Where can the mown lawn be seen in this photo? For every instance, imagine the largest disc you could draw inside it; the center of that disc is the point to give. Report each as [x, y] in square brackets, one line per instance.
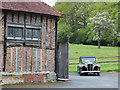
[77, 50]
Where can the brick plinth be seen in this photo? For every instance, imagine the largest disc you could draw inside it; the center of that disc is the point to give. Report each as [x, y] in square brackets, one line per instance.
[34, 78]
[29, 77]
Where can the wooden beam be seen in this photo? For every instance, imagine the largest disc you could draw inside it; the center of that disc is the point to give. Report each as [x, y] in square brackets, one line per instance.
[50, 60]
[36, 59]
[26, 60]
[5, 46]
[21, 57]
[46, 41]
[11, 58]
[31, 58]
[16, 58]
[56, 49]
[41, 60]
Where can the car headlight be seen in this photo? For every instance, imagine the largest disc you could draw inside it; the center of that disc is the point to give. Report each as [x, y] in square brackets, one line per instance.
[85, 65]
[94, 65]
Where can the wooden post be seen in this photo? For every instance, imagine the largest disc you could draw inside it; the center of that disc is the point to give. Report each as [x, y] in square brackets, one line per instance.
[26, 59]
[36, 59]
[5, 35]
[46, 39]
[11, 58]
[16, 59]
[41, 60]
[50, 60]
[56, 49]
[21, 57]
[31, 58]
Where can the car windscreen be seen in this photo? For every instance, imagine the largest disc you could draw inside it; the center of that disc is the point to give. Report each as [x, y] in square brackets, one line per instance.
[85, 60]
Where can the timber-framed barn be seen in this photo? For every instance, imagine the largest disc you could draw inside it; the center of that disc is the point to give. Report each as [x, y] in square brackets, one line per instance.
[28, 40]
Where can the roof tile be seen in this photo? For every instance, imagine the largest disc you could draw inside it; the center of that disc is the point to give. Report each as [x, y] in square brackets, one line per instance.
[36, 7]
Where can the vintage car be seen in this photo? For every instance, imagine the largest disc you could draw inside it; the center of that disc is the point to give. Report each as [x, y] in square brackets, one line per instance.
[88, 65]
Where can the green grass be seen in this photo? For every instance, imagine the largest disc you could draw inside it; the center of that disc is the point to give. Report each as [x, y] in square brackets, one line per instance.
[77, 50]
[108, 67]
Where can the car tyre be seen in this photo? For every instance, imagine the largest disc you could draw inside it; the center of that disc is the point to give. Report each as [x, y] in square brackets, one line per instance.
[81, 74]
[98, 74]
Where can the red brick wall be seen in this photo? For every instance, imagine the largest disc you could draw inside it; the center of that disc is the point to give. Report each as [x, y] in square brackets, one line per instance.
[8, 59]
[50, 30]
[33, 78]
[1, 41]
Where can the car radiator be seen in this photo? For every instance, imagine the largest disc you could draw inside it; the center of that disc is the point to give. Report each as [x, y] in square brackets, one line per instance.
[90, 67]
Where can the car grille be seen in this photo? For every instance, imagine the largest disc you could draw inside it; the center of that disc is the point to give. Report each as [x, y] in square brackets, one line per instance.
[90, 67]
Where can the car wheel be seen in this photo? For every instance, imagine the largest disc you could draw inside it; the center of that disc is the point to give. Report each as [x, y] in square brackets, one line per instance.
[81, 74]
[98, 74]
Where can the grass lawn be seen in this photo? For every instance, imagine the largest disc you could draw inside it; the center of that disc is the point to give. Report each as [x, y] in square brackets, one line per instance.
[77, 50]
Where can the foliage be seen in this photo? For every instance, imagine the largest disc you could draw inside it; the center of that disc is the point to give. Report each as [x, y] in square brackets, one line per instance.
[77, 14]
[102, 27]
[64, 32]
[81, 35]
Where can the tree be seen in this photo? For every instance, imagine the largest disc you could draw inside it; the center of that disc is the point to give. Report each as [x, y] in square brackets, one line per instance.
[77, 14]
[64, 32]
[100, 24]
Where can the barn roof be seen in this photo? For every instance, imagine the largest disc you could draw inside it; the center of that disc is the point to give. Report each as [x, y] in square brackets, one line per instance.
[35, 7]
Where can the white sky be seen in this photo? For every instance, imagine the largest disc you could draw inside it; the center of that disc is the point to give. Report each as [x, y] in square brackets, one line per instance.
[49, 2]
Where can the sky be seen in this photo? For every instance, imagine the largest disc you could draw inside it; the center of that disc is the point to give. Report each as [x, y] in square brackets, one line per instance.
[49, 2]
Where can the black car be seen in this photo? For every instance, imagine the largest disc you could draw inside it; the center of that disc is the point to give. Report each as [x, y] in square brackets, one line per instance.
[88, 65]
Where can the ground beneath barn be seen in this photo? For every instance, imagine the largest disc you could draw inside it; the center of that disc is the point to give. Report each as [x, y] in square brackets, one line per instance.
[105, 80]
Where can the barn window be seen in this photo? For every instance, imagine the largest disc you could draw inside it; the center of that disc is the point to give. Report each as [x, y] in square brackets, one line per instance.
[14, 33]
[10, 32]
[29, 33]
[18, 32]
[35, 34]
[32, 34]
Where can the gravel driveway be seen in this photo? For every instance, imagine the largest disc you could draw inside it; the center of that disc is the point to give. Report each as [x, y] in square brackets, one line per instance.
[105, 80]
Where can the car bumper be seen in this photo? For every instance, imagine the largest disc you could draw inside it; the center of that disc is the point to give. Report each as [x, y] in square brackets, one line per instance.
[90, 71]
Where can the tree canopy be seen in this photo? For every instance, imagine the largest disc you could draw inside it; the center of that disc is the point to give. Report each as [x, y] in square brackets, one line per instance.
[77, 15]
[101, 26]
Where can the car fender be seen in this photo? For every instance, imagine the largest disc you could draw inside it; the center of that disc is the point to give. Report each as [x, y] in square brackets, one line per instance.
[99, 66]
[80, 66]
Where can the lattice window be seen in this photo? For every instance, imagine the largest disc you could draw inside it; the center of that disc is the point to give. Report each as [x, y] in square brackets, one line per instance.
[15, 33]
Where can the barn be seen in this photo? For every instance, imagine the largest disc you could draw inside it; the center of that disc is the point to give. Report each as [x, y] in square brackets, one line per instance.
[28, 41]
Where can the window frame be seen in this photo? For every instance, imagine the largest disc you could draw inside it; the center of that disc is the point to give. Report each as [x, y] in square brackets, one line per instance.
[14, 32]
[23, 31]
[32, 38]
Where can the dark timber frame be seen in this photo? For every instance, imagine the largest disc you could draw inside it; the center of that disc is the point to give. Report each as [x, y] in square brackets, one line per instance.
[30, 43]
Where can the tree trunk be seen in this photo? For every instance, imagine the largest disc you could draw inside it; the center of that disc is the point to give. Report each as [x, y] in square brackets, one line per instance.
[99, 43]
